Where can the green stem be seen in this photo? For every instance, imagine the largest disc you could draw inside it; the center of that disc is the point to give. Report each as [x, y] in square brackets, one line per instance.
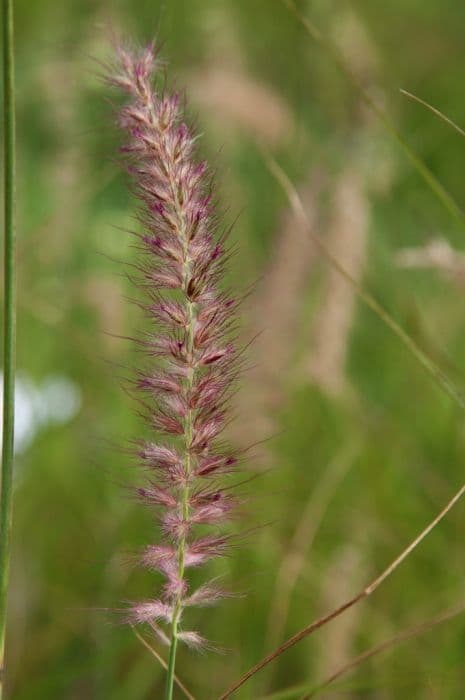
[171, 662]
[188, 429]
[185, 515]
[6, 500]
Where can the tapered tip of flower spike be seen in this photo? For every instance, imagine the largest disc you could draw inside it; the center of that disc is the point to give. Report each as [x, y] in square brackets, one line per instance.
[132, 65]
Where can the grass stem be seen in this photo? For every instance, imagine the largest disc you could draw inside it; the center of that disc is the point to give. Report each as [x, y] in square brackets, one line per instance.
[171, 663]
[9, 320]
[364, 593]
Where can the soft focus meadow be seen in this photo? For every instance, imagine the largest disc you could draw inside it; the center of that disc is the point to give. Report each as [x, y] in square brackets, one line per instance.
[355, 449]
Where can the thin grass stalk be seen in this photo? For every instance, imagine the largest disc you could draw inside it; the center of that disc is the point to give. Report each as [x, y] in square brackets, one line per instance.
[9, 319]
[410, 633]
[384, 646]
[171, 662]
[434, 110]
[433, 183]
[361, 595]
[426, 362]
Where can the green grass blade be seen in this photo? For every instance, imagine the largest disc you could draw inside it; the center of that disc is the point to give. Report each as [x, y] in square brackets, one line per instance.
[6, 496]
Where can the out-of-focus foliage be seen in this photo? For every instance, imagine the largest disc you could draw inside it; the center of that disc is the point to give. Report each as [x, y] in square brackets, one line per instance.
[363, 448]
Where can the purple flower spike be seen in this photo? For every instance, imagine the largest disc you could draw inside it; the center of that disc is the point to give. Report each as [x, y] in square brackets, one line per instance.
[192, 354]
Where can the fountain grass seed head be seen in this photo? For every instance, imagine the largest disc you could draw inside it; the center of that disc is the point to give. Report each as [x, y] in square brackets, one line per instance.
[191, 349]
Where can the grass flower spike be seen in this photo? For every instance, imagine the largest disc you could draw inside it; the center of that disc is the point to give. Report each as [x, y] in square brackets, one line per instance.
[191, 350]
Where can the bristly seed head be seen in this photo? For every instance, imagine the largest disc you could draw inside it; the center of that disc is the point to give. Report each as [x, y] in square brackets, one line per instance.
[191, 349]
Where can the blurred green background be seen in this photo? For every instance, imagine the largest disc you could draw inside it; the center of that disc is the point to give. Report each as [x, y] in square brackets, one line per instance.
[357, 448]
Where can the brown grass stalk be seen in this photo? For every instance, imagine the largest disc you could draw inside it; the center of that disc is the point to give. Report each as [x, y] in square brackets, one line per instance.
[384, 646]
[364, 593]
[348, 234]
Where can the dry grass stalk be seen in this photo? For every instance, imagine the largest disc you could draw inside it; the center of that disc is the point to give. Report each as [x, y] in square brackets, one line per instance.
[415, 631]
[275, 311]
[344, 575]
[347, 239]
[237, 100]
[224, 89]
[350, 220]
[361, 595]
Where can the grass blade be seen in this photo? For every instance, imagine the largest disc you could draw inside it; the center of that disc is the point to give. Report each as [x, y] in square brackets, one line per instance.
[9, 319]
